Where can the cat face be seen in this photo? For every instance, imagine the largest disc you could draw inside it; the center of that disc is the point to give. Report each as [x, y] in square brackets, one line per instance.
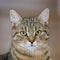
[30, 33]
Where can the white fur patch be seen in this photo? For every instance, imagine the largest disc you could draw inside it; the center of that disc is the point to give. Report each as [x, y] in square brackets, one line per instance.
[28, 46]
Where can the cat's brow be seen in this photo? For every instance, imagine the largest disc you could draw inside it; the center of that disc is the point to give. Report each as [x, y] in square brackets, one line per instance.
[31, 23]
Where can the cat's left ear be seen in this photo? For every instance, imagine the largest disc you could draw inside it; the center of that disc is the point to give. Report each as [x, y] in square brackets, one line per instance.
[15, 18]
[44, 16]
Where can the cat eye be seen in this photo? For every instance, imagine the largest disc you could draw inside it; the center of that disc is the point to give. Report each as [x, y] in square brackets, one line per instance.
[23, 33]
[38, 32]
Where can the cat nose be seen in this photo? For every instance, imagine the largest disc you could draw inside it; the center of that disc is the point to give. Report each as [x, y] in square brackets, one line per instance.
[31, 39]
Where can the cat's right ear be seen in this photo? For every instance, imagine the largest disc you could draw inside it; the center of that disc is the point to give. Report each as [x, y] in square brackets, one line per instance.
[15, 18]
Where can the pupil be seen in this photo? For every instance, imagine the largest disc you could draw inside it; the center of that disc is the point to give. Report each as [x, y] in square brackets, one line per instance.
[38, 31]
[23, 32]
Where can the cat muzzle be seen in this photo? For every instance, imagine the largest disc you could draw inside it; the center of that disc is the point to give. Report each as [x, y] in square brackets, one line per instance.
[31, 39]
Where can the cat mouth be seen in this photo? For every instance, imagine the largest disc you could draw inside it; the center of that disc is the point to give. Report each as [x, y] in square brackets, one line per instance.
[31, 47]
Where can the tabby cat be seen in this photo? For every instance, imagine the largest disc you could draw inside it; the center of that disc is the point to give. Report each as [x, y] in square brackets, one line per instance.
[30, 36]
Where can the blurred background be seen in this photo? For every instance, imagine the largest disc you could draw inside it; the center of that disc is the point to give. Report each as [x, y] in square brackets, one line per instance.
[30, 8]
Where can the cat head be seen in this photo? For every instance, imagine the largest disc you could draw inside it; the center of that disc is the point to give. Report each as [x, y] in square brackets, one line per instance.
[30, 31]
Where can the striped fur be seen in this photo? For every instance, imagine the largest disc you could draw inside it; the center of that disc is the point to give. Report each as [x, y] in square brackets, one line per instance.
[30, 38]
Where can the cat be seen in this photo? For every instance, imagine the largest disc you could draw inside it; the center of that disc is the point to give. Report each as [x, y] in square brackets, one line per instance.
[30, 36]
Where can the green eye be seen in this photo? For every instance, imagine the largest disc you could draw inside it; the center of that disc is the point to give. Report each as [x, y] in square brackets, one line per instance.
[23, 33]
[38, 32]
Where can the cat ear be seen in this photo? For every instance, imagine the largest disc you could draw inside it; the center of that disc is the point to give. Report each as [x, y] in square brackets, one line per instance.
[44, 16]
[15, 18]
